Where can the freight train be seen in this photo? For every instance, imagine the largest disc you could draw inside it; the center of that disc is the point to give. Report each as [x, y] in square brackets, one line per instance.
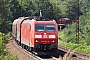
[35, 35]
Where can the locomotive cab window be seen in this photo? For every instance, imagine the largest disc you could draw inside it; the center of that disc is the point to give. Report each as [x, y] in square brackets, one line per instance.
[50, 27]
[39, 27]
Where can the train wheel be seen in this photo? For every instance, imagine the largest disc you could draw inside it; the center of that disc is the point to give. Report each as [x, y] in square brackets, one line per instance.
[30, 49]
[26, 47]
[23, 46]
[18, 42]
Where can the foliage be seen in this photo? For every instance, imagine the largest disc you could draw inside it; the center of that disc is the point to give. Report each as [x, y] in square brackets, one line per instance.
[79, 47]
[7, 17]
[68, 34]
[5, 54]
[54, 9]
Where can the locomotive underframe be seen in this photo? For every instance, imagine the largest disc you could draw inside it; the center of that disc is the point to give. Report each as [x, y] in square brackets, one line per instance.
[45, 47]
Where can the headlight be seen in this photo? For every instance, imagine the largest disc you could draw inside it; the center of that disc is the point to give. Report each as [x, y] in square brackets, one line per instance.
[37, 41]
[52, 41]
[51, 36]
[38, 36]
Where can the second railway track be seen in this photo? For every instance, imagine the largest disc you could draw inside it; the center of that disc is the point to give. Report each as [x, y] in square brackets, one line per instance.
[79, 55]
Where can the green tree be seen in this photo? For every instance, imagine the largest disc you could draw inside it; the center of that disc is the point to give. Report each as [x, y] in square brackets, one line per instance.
[5, 15]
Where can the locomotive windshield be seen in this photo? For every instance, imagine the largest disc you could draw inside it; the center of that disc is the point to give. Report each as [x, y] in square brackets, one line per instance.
[48, 27]
[39, 27]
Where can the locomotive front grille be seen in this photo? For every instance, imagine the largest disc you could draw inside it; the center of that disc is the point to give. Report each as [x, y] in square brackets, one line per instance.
[45, 47]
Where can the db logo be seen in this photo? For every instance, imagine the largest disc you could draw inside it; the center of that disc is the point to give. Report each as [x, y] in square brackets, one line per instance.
[44, 36]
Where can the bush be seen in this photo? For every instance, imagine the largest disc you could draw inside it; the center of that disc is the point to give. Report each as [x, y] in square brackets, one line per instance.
[5, 54]
[84, 49]
[78, 47]
[72, 45]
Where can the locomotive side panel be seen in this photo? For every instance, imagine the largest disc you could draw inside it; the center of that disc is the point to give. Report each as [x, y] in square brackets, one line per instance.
[56, 26]
[21, 19]
[32, 31]
[25, 34]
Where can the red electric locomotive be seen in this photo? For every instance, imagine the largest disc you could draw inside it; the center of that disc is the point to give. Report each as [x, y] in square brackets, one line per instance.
[37, 35]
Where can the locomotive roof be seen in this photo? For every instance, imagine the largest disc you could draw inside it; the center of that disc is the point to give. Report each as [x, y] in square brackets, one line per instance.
[21, 19]
[45, 22]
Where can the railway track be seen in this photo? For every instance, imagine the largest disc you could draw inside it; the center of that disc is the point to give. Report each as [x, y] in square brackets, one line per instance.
[28, 55]
[78, 55]
[39, 57]
[15, 50]
[25, 55]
